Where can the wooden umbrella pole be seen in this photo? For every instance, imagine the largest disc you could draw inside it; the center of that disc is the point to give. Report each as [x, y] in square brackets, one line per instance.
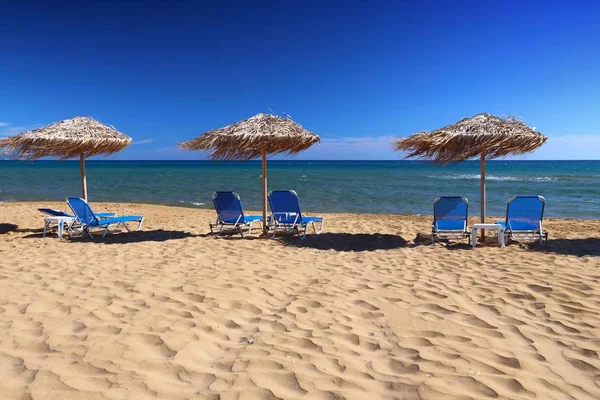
[264, 189]
[482, 183]
[83, 180]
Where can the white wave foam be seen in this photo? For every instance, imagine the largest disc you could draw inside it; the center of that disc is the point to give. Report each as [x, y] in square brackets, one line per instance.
[494, 177]
[192, 203]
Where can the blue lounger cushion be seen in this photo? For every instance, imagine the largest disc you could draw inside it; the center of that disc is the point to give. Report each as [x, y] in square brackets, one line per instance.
[290, 219]
[450, 225]
[247, 218]
[311, 219]
[116, 220]
[520, 225]
[58, 213]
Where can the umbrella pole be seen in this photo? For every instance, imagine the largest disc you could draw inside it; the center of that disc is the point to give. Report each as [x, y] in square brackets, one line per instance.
[83, 180]
[482, 183]
[264, 189]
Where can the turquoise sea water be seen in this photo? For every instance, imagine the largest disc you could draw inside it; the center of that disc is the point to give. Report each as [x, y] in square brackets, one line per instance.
[571, 188]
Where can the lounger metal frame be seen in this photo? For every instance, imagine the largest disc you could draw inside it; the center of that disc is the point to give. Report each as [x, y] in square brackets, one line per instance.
[79, 229]
[298, 225]
[450, 234]
[237, 226]
[532, 234]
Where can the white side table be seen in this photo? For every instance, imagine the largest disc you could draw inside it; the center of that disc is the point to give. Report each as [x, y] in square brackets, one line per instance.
[60, 221]
[499, 229]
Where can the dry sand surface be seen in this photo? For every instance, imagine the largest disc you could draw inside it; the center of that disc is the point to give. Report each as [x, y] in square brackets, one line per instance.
[359, 312]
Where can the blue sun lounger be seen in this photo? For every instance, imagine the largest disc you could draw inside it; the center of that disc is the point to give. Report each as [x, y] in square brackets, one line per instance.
[524, 216]
[230, 213]
[286, 215]
[87, 220]
[58, 213]
[450, 218]
[51, 215]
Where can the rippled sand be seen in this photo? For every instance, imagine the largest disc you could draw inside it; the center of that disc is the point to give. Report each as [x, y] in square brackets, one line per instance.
[360, 312]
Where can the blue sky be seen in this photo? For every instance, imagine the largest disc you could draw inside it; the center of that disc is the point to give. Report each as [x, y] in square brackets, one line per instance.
[357, 73]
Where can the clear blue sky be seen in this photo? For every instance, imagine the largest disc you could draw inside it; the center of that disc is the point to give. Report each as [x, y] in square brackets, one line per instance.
[357, 73]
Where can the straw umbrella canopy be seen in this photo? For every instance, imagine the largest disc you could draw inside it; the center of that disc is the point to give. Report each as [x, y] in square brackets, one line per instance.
[255, 137]
[483, 135]
[78, 137]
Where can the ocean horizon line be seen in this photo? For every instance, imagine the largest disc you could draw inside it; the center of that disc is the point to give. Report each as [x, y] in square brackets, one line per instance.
[292, 160]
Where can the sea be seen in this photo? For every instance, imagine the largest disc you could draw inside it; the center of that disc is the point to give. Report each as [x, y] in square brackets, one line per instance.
[571, 188]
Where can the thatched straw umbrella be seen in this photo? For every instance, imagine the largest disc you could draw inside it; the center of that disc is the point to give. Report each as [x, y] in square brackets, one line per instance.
[78, 137]
[255, 137]
[483, 135]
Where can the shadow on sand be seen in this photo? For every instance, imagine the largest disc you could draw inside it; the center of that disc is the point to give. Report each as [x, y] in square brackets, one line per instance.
[574, 247]
[346, 241]
[425, 239]
[5, 228]
[158, 235]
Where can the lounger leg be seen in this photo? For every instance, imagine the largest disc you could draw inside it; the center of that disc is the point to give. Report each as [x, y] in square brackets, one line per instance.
[139, 228]
[474, 238]
[211, 226]
[321, 226]
[261, 225]
[304, 233]
[46, 224]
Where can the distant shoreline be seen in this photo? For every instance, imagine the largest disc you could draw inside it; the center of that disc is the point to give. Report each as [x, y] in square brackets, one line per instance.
[209, 208]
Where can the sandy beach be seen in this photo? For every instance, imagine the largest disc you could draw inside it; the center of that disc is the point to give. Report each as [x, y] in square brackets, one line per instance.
[359, 312]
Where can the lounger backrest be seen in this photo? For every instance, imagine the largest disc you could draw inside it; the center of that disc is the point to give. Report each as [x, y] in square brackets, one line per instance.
[82, 210]
[524, 213]
[285, 201]
[228, 207]
[54, 213]
[450, 213]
